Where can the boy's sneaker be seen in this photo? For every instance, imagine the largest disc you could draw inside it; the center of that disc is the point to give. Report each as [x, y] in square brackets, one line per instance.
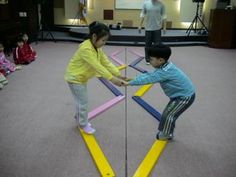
[88, 129]
[162, 136]
[147, 63]
[171, 136]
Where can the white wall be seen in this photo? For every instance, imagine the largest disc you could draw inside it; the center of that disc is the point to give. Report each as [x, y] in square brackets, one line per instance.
[71, 8]
[187, 10]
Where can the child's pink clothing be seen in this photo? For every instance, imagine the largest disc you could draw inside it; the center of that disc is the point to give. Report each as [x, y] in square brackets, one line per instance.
[6, 64]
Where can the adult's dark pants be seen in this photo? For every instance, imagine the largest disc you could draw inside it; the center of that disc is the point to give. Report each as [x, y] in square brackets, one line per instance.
[151, 37]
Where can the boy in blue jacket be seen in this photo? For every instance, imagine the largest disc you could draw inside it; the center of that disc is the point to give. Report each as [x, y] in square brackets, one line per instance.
[175, 84]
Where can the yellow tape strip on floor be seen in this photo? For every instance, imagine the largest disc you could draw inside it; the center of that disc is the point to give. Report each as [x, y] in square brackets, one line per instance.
[143, 89]
[150, 159]
[98, 156]
[122, 67]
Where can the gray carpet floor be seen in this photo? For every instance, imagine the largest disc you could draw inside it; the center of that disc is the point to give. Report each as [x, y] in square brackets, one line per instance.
[38, 135]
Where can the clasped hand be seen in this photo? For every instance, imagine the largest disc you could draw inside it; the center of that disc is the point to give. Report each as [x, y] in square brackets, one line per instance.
[120, 81]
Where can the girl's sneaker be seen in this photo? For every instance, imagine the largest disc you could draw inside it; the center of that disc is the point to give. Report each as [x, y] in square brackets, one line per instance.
[88, 129]
[1, 86]
[89, 124]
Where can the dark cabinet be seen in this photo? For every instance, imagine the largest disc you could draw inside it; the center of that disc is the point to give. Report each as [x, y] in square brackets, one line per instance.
[222, 28]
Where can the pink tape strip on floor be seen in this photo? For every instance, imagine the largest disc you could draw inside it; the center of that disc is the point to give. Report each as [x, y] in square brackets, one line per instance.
[136, 53]
[117, 60]
[105, 106]
[116, 52]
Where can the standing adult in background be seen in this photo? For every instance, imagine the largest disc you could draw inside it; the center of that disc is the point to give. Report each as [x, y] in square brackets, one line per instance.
[153, 13]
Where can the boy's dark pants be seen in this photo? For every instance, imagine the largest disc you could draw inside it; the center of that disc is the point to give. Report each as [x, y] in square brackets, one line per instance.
[151, 37]
[173, 110]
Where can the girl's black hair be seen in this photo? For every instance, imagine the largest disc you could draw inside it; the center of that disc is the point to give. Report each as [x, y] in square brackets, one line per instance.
[159, 51]
[99, 29]
[19, 39]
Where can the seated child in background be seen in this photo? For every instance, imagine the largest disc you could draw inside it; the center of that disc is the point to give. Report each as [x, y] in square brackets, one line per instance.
[5, 64]
[3, 81]
[20, 55]
[28, 49]
[175, 84]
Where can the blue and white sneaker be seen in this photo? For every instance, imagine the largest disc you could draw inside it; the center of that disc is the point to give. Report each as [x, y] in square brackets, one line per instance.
[161, 136]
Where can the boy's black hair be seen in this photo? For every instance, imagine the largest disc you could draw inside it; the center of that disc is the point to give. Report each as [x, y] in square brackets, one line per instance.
[99, 29]
[160, 51]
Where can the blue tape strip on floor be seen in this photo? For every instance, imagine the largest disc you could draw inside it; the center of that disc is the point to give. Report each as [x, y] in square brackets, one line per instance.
[138, 69]
[147, 107]
[114, 90]
[135, 62]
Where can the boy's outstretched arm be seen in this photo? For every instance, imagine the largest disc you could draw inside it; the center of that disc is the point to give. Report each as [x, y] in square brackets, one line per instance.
[146, 78]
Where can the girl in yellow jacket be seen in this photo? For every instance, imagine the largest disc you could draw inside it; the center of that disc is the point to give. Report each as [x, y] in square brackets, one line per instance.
[89, 61]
